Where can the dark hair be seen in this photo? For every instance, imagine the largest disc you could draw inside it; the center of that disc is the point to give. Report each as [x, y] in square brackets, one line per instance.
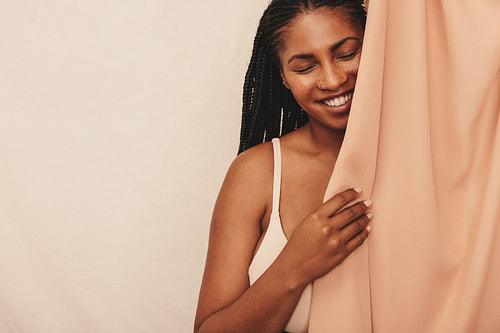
[269, 109]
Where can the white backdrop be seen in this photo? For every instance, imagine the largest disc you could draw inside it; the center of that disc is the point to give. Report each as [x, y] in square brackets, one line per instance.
[118, 120]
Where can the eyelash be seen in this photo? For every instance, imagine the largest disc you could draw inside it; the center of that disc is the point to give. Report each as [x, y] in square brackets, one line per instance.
[347, 56]
[304, 70]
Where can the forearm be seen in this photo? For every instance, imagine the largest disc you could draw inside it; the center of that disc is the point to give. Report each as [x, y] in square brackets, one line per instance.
[264, 307]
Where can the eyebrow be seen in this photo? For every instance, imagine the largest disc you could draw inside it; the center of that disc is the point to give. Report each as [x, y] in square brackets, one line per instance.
[333, 48]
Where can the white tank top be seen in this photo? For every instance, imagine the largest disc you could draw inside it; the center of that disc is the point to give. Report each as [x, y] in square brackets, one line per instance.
[274, 241]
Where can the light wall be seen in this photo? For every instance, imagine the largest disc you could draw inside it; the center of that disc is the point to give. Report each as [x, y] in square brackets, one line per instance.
[118, 120]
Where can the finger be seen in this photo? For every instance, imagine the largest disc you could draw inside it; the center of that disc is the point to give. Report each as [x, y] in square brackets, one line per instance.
[346, 216]
[357, 240]
[355, 227]
[338, 201]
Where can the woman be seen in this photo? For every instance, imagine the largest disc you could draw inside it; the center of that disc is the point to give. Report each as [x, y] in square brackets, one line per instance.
[271, 236]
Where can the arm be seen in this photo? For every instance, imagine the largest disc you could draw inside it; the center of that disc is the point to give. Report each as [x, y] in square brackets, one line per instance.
[227, 303]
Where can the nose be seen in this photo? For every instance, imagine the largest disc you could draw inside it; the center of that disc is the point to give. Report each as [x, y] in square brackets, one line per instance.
[331, 78]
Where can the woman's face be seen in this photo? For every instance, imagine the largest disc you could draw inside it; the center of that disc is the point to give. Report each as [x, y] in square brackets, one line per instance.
[319, 64]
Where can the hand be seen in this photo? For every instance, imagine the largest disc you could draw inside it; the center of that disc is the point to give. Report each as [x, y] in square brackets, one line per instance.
[326, 237]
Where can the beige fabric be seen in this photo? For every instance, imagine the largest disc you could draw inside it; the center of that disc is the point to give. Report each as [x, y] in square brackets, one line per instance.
[424, 143]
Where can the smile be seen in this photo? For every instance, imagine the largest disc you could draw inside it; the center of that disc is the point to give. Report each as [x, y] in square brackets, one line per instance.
[338, 101]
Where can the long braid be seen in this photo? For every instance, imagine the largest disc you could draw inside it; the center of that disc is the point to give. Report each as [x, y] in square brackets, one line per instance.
[269, 109]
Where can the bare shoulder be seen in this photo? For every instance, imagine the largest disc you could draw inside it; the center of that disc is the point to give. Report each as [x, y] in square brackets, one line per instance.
[249, 178]
[254, 164]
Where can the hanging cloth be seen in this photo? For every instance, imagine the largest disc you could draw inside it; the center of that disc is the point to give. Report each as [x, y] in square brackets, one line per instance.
[423, 140]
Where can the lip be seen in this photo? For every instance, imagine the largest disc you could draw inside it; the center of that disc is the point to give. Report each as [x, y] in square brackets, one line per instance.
[341, 110]
[336, 95]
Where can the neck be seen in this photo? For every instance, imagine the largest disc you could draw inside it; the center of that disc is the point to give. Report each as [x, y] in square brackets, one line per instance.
[322, 140]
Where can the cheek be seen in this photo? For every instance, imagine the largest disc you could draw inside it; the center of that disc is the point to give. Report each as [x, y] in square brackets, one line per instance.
[302, 85]
[352, 67]
[301, 91]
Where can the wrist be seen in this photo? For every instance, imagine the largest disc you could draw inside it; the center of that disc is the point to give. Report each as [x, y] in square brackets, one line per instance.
[288, 277]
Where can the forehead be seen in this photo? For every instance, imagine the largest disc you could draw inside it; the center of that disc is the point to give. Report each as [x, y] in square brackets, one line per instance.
[318, 28]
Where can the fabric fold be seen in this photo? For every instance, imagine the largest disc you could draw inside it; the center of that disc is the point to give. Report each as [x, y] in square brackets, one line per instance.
[423, 141]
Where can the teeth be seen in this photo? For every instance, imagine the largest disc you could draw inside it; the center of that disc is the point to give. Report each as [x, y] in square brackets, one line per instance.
[338, 101]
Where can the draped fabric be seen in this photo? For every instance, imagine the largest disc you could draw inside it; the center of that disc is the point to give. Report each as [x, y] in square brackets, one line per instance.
[423, 141]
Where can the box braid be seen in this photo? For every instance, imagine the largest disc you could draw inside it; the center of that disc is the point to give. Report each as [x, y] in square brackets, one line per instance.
[269, 109]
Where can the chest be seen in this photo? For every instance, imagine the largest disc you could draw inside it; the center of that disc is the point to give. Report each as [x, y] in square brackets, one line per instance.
[303, 186]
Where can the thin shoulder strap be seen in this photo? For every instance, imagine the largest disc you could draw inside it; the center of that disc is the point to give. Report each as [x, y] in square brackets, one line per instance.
[277, 175]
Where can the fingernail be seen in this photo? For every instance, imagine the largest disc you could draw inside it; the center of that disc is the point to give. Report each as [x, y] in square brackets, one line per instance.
[358, 189]
[369, 215]
[368, 228]
[367, 203]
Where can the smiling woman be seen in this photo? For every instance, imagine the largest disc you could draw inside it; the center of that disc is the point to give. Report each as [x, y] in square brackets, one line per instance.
[271, 236]
[320, 60]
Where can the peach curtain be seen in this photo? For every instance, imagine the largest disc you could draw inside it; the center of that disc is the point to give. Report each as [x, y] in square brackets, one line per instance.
[424, 142]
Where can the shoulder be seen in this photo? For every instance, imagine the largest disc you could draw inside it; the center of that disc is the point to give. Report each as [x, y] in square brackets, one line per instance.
[249, 180]
[255, 163]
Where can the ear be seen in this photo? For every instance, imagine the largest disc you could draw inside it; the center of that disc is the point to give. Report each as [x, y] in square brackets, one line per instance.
[284, 79]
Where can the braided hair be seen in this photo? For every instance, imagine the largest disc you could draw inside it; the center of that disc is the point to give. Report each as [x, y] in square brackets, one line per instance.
[269, 109]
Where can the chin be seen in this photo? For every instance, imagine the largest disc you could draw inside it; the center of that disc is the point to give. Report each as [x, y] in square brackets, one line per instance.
[339, 128]
[339, 125]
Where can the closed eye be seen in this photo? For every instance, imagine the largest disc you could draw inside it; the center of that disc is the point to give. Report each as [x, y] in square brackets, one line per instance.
[304, 70]
[348, 56]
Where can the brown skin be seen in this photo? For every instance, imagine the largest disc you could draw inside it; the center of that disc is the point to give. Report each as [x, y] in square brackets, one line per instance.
[320, 235]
